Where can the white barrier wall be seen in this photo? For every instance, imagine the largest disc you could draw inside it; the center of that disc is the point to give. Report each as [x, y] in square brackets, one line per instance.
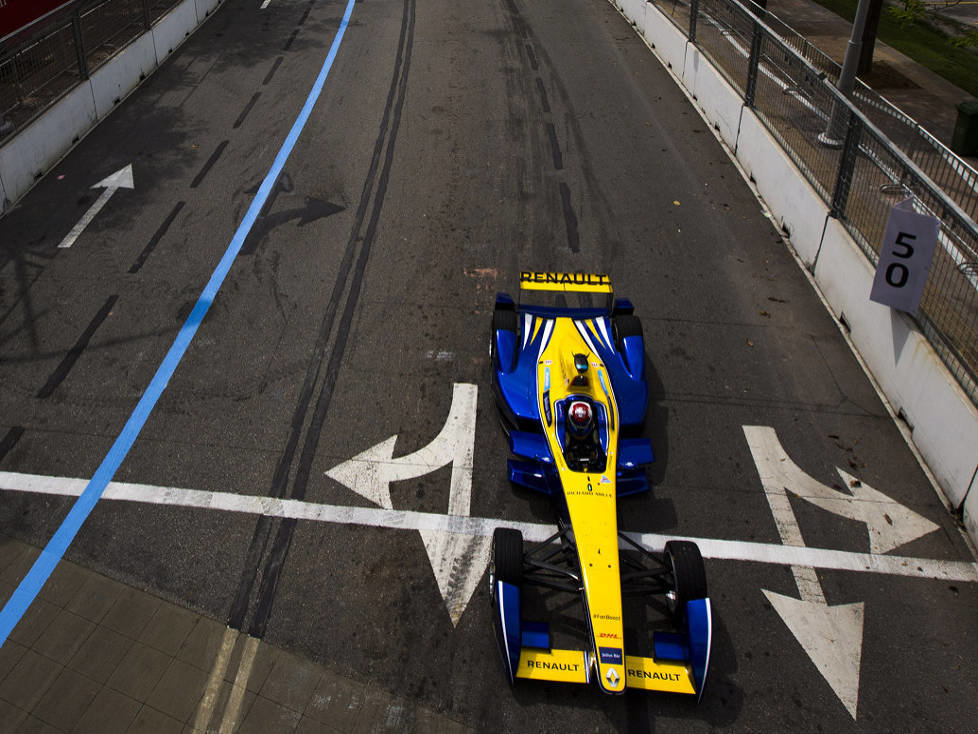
[910, 373]
[943, 420]
[26, 156]
[797, 207]
[112, 82]
[664, 38]
[205, 8]
[173, 28]
[719, 103]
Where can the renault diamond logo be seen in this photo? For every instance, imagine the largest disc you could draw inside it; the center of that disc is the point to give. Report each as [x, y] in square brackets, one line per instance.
[612, 677]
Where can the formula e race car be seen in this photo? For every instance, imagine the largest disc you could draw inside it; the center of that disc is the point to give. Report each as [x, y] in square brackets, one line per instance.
[569, 382]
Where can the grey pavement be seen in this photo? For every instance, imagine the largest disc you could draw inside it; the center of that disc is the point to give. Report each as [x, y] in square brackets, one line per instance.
[95, 656]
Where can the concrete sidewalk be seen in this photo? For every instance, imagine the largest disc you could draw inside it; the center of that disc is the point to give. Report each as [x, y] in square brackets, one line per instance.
[926, 97]
[94, 655]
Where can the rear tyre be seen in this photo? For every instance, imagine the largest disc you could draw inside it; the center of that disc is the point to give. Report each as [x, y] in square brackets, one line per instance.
[502, 320]
[506, 559]
[626, 325]
[688, 577]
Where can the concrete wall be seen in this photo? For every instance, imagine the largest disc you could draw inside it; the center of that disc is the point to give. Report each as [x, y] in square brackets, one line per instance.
[943, 420]
[27, 155]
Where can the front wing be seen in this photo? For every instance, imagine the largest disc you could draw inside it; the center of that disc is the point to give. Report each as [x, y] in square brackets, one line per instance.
[680, 665]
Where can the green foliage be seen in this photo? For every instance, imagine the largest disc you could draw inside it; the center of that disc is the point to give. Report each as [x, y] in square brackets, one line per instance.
[968, 40]
[911, 12]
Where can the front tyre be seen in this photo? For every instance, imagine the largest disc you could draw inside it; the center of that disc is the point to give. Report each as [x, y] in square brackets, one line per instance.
[506, 557]
[688, 577]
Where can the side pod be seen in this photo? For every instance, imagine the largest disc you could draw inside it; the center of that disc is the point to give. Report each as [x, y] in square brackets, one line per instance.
[634, 348]
[505, 349]
[530, 475]
[699, 631]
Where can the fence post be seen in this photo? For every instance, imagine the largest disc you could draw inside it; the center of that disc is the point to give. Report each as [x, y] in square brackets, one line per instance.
[694, 9]
[79, 44]
[752, 65]
[847, 164]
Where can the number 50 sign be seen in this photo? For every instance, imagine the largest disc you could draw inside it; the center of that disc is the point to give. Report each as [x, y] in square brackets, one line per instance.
[905, 256]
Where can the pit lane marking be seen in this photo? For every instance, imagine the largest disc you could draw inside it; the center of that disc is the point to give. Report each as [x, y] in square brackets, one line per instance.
[712, 548]
[29, 587]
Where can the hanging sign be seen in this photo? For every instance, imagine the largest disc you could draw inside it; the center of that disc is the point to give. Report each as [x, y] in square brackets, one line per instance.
[905, 256]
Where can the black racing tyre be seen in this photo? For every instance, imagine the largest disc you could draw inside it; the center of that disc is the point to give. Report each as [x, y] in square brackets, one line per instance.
[688, 576]
[627, 325]
[502, 320]
[506, 561]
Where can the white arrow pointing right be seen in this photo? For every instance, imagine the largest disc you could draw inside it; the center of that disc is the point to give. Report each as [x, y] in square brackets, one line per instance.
[888, 523]
[832, 636]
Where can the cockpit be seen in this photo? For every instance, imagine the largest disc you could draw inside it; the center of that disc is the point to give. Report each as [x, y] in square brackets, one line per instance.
[582, 423]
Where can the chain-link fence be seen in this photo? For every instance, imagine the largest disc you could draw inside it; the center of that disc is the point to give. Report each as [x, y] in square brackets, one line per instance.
[877, 157]
[41, 64]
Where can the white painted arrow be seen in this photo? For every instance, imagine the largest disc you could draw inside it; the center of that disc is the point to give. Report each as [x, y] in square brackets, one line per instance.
[121, 179]
[457, 559]
[832, 636]
[888, 523]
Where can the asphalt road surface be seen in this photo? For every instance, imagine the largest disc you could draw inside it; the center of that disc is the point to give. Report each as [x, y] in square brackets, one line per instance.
[454, 145]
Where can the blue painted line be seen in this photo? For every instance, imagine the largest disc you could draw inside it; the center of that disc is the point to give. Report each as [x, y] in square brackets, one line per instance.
[54, 551]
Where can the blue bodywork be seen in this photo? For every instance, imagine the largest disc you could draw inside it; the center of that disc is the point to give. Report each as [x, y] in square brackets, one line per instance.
[514, 383]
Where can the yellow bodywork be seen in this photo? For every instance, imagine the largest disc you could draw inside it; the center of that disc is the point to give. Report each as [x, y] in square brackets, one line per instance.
[565, 282]
[650, 675]
[562, 666]
[590, 496]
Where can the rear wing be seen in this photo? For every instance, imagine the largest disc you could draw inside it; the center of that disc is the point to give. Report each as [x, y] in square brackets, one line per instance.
[552, 293]
[565, 282]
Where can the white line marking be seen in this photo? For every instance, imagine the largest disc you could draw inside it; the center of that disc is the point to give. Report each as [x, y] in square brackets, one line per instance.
[265, 4]
[439, 356]
[723, 550]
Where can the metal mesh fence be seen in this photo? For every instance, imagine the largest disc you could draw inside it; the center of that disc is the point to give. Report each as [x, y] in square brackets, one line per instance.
[958, 179]
[109, 26]
[37, 70]
[861, 155]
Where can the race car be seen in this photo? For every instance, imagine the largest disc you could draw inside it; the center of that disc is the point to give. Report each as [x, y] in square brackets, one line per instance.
[569, 382]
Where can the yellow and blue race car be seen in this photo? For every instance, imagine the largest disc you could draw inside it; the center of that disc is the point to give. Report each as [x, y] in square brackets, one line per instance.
[569, 381]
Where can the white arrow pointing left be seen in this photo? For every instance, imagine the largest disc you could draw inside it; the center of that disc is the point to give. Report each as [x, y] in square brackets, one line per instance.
[457, 559]
[121, 179]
